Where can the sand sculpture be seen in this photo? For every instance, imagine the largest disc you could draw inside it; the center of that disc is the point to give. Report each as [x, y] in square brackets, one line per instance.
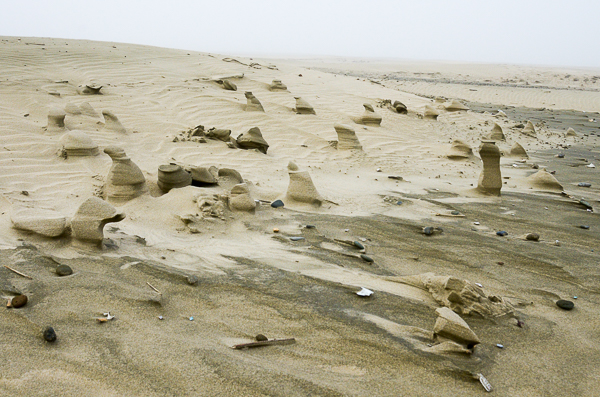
[303, 107]
[56, 120]
[230, 173]
[369, 117]
[89, 220]
[211, 205]
[89, 89]
[228, 85]
[450, 326]
[252, 103]
[253, 139]
[46, 222]
[518, 151]
[459, 150]
[347, 139]
[497, 134]
[529, 128]
[73, 109]
[78, 143]
[490, 179]
[240, 199]
[543, 180]
[203, 176]
[111, 122]
[277, 85]
[88, 110]
[455, 106]
[172, 176]
[301, 187]
[430, 113]
[400, 107]
[501, 114]
[571, 132]
[125, 180]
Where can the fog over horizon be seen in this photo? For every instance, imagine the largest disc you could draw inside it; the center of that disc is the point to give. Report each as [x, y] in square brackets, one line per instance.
[542, 33]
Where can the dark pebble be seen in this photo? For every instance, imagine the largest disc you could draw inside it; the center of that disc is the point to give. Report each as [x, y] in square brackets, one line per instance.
[192, 280]
[358, 245]
[502, 233]
[310, 226]
[428, 231]
[501, 263]
[399, 202]
[584, 227]
[261, 338]
[455, 213]
[296, 238]
[561, 156]
[533, 237]
[19, 301]
[586, 204]
[584, 184]
[49, 334]
[367, 258]
[64, 270]
[277, 204]
[565, 305]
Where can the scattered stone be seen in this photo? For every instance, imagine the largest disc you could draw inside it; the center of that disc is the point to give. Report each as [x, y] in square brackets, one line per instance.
[586, 204]
[490, 179]
[584, 184]
[301, 187]
[219, 134]
[49, 334]
[459, 150]
[112, 123]
[253, 139]
[502, 233]
[41, 221]
[499, 346]
[369, 117]
[560, 156]
[261, 338]
[172, 176]
[228, 85]
[78, 143]
[428, 231]
[192, 280]
[56, 120]
[91, 216]
[64, 270]
[125, 180]
[310, 226]
[252, 103]
[303, 107]
[275, 230]
[563, 304]
[347, 139]
[359, 245]
[277, 204]
[533, 237]
[19, 301]
[366, 258]
[450, 325]
[241, 200]
[277, 85]
[296, 238]
[455, 213]
[584, 227]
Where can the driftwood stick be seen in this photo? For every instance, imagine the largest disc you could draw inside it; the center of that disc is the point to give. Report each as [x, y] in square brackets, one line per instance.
[452, 216]
[18, 272]
[154, 288]
[265, 343]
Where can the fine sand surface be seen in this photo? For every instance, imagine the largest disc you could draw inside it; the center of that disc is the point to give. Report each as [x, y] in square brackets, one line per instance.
[252, 280]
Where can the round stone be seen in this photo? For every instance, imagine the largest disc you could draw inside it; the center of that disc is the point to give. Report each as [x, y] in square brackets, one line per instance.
[533, 237]
[277, 204]
[455, 213]
[502, 233]
[64, 270]
[49, 334]
[19, 301]
[366, 258]
[428, 231]
[358, 245]
[310, 226]
[192, 280]
[261, 338]
[565, 305]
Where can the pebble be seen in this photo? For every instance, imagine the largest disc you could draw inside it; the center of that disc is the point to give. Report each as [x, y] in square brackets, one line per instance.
[277, 204]
[49, 334]
[584, 227]
[584, 184]
[499, 346]
[367, 258]
[261, 338]
[502, 233]
[586, 204]
[476, 223]
[358, 245]
[455, 213]
[533, 237]
[310, 226]
[396, 177]
[191, 318]
[64, 270]
[557, 243]
[160, 317]
[399, 202]
[275, 230]
[560, 156]
[296, 238]
[19, 301]
[564, 304]
[428, 231]
[192, 280]
[501, 263]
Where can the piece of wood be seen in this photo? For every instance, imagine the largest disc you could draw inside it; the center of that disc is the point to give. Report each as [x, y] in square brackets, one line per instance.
[154, 288]
[265, 343]
[452, 216]
[18, 272]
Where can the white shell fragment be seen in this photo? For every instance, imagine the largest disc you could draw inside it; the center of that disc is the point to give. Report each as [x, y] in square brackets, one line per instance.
[484, 382]
[591, 165]
[364, 292]
[108, 316]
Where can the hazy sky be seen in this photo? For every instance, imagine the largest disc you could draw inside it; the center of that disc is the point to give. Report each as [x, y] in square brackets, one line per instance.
[540, 32]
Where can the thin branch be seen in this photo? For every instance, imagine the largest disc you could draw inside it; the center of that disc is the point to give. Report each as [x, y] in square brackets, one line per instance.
[154, 288]
[265, 343]
[18, 272]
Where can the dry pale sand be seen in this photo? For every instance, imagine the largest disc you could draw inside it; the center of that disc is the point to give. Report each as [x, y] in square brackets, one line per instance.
[252, 280]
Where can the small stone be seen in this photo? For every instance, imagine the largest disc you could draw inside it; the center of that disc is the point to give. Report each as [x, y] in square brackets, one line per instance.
[502, 233]
[586, 204]
[564, 304]
[584, 184]
[428, 231]
[501, 263]
[455, 213]
[476, 223]
[533, 237]
[584, 227]
[19, 301]
[277, 204]
[191, 318]
[499, 346]
[275, 230]
[557, 243]
[160, 317]
[396, 177]
[261, 338]
[296, 238]
[358, 245]
[49, 334]
[399, 202]
[367, 258]
[192, 280]
[64, 270]
[310, 226]
[560, 156]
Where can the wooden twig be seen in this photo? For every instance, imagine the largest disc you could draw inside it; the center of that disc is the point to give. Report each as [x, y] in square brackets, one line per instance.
[265, 343]
[154, 288]
[18, 272]
[452, 216]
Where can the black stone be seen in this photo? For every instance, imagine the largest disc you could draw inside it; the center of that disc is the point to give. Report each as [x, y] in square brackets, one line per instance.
[564, 304]
[19, 301]
[49, 334]
[367, 258]
[310, 226]
[261, 338]
[502, 233]
[64, 270]
[584, 227]
[277, 204]
[455, 213]
[561, 156]
[358, 245]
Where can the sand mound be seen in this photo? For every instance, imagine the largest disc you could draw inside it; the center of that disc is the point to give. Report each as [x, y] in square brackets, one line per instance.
[430, 113]
[517, 150]
[78, 143]
[301, 187]
[125, 180]
[303, 107]
[571, 132]
[496, 134]
[369, 117]
[347, 139]
[529, 129]
[459, 150]
[543, 180]
[455, 106]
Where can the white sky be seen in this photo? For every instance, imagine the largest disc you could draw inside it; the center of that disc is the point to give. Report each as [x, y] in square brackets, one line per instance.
[538, 32]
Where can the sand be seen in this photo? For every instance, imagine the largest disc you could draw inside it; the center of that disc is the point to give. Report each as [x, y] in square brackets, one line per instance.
[225, 276]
